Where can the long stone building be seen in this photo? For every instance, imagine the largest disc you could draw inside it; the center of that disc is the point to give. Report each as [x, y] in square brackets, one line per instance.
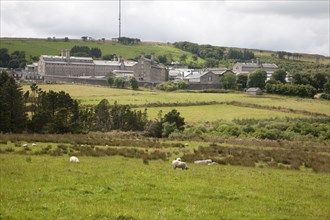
[245, 68]
[66, 66]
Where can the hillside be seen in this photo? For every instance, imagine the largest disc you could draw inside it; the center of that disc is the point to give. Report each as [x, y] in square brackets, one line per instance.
[37, 47]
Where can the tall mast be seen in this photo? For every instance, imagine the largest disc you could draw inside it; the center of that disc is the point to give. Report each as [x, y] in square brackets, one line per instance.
[119, 18]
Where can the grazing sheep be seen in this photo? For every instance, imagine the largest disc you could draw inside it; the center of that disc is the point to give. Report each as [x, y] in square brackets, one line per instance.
[181, 165]
[74, 159]
[174, 162]
[25, 145]
[213, 163]
[208, 161]
[33, 144]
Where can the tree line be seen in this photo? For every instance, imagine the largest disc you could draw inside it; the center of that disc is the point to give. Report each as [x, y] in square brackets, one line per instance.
[212, 54]
[303, 85]
[38, 111]
[14, 60]
[84, 51]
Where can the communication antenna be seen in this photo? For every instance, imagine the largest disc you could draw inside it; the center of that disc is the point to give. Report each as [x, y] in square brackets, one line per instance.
[119, 19]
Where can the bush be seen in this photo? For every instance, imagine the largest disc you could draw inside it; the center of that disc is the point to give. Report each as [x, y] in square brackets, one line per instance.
[291, 90]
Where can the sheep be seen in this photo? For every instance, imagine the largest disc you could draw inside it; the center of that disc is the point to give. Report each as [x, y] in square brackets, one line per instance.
[213, 163]
[177, 163]
[208, 161]
[74, 159]
[25, 145]
[181, 165]
[33, 144]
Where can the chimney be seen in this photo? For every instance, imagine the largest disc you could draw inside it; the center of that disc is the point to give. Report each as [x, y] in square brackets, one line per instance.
[67, 55]
[252, 60]
[258, 61]
[62, 53]
[152, 57]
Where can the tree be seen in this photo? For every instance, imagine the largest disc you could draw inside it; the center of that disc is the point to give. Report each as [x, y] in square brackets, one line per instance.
[174, 117]
[229, 81]
[17, 60]
[162, 59]
[257, 79]
[241, 80]
[110, 81]
[4, 57]
[57, 112]
[95, 52]
[134, 83]
[183, 85]
[318, 81]
[66, 39]
[12, 107]
[80, 51]
[108, 57]
[119, 82]
[84, 38]
[103, 119]
[279, 75]
[326, 87]
[183, 57]
[211, 62]
[301, 79]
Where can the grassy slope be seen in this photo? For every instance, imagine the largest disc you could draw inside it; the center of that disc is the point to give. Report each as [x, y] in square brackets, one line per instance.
[109, 187]
[37, 47]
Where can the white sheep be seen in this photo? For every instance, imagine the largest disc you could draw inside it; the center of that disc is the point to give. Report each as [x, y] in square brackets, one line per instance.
[213, 163]
[181, 165]
[177, 163]
[33, 144]
[208, 161]
[25, 145]
[74, 159]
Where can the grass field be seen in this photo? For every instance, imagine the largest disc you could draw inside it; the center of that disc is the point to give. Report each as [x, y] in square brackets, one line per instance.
[35, 185]
[37, 47]
[208, 113]
[93, 95]
[45, 187]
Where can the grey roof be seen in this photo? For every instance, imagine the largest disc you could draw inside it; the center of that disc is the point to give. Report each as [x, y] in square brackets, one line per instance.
[256, 65]
[196, 75]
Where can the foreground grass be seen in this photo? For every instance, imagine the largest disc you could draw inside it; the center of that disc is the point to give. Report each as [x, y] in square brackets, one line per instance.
[45, 187]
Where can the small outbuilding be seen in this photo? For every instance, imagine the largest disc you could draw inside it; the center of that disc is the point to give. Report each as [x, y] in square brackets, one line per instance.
[254, 91]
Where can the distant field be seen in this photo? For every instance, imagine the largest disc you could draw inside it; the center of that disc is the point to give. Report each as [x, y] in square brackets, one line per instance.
[208, 113]
[93, 95]
[37, 47]
[46, 187]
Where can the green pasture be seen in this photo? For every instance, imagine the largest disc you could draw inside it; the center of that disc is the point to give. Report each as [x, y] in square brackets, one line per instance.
[208, 113]
[94, 94]
[37, 47]
[46, 187]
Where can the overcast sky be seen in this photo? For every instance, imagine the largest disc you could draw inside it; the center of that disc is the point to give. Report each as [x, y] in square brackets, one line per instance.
[294, 26]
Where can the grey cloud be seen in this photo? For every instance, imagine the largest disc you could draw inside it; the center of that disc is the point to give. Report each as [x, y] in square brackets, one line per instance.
[311, 8]
[254, 24]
